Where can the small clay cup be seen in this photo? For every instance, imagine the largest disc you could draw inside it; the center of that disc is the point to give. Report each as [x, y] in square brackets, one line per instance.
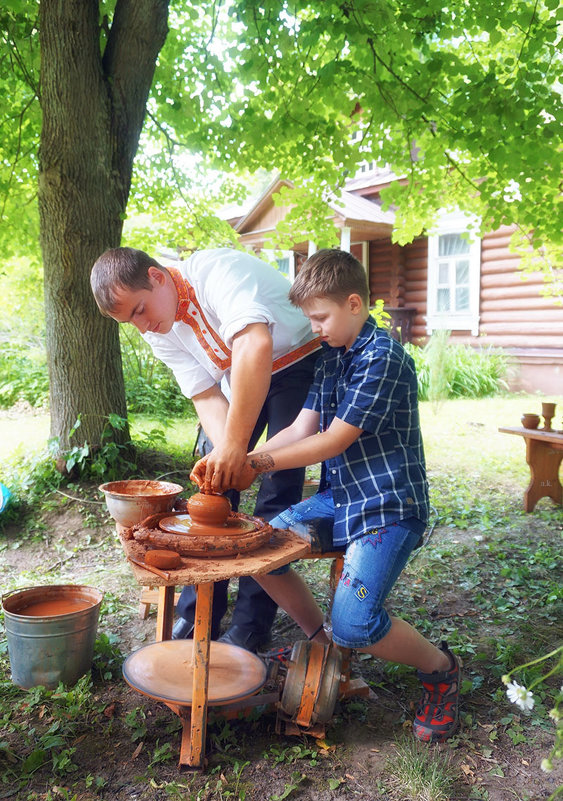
[209, 510]
[530, 420]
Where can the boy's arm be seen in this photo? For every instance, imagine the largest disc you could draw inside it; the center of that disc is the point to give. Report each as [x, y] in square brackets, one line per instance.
[300, 453]
[305, 424]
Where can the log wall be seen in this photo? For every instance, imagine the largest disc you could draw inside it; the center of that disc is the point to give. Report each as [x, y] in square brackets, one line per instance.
[514, 314]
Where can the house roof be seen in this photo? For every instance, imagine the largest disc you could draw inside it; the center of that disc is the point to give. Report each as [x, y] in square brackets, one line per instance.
[354, 209]
[364, 217]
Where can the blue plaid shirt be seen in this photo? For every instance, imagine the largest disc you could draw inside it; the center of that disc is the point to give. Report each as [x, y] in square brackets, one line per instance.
[381, 477]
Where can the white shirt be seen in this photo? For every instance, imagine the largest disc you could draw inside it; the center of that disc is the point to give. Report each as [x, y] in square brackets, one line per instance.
[233, 290]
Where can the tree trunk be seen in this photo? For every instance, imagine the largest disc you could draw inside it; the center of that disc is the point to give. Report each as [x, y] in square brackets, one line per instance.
[93, 110]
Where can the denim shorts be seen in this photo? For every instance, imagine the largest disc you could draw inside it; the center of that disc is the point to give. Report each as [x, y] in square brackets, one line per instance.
[372, 564]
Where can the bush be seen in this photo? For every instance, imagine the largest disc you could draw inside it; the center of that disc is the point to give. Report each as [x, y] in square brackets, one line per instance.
[447, 370]
[24, 375]
[150, 385]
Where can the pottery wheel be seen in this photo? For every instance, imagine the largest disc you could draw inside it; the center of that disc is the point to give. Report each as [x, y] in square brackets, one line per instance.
[183, 524]
[246, 534]
[164, 671]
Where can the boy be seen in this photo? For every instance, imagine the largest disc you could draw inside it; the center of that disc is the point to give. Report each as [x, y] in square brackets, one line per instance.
[221, 314]
[360, 420]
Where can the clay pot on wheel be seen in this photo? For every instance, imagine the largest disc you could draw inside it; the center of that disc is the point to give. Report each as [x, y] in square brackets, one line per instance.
[530, 420]
[209, 510]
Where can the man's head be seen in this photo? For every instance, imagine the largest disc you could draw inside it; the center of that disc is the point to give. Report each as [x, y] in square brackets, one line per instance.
[131, 287]
[332, 290]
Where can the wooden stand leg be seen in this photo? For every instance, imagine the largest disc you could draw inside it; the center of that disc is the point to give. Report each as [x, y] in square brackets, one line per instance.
[543, 460]
[186, 718]
[202, 634]
[165, 613]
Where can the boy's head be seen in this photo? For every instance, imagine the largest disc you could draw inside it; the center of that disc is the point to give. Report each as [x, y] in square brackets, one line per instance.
[333, 274]
[332, 290]
[132, 287]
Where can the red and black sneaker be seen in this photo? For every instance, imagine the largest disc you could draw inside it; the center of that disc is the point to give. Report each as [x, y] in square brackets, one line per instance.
[437, 714]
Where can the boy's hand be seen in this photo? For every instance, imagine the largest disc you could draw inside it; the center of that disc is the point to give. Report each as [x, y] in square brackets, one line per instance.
[245, 478]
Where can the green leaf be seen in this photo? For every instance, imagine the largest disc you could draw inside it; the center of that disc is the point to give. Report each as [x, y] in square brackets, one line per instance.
[34, 761]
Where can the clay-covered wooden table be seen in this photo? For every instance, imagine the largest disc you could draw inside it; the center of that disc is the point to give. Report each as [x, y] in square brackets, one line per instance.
[544, 451]
[283, 547]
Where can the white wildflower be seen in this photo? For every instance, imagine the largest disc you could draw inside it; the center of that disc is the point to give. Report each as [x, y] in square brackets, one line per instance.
[520, 696]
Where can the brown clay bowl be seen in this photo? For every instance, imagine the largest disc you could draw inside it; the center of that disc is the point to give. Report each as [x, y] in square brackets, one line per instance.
[129, 502]
[530, 420]
[209, 510]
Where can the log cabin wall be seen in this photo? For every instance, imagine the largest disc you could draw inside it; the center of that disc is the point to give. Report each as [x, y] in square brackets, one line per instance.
[514, 315]
[415, 258]
[380, 269]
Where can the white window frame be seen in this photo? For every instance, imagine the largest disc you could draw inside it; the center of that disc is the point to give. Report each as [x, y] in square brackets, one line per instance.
[468, 319]
[274, 255]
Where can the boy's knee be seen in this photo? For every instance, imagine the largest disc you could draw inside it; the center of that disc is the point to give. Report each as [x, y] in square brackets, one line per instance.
[354, 631]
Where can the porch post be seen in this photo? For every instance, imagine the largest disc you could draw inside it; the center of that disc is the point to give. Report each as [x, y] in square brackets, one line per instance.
[345, 239]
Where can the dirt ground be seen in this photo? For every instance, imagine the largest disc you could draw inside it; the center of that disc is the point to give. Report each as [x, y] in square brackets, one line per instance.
[128, 747]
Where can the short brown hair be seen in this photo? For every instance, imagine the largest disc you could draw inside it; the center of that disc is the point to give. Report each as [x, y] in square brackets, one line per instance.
[330, 273]
[124, 268]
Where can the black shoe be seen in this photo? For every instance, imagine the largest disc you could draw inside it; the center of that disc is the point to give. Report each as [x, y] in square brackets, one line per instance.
[249, 640]
[183, 629]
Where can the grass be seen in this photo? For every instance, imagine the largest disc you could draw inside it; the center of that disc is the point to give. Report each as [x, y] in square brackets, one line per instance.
[419, 774]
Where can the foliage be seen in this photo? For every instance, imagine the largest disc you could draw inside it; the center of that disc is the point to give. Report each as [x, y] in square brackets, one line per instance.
[109, 462]
[462, 100]
[446, 370]
[381, 317]
[149, 384]
[523, 697]
[23, 372]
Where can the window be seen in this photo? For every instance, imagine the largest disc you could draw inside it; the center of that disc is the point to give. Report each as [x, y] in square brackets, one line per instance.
[453, 276]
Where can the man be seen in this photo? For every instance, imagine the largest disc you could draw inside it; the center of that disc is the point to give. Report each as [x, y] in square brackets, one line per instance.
[222, 316]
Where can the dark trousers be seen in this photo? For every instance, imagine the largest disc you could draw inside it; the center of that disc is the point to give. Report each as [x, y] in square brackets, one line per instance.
[254, 609]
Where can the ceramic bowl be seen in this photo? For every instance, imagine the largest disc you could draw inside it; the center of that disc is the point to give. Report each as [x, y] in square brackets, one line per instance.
[129, 502]
[530, 420]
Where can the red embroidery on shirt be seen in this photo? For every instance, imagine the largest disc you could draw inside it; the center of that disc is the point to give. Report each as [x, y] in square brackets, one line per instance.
[186, 295]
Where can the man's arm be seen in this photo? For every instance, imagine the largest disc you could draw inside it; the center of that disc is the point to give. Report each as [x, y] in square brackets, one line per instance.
[251, 372]
[212, 408]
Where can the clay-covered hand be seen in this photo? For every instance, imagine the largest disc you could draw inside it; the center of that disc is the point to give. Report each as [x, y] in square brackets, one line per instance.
[244, 478]
[198, 475]
[222, 467]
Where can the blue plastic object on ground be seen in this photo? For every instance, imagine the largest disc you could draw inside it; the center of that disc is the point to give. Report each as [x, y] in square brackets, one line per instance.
[5, 496]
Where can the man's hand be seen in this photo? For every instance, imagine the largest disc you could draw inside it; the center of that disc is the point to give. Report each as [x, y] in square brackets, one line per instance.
[223, 466]
[241, 482]
[198, 475]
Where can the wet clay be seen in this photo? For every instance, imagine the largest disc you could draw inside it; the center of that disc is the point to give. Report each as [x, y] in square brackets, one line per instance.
[137, 487]
[208, 510]
[58, 606]
[234, 526]
[165, 560]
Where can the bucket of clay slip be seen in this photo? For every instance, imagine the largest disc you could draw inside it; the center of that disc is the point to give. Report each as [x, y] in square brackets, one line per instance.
[51, 633]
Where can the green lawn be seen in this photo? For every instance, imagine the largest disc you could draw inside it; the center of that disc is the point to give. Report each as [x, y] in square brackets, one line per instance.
[460, 436]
